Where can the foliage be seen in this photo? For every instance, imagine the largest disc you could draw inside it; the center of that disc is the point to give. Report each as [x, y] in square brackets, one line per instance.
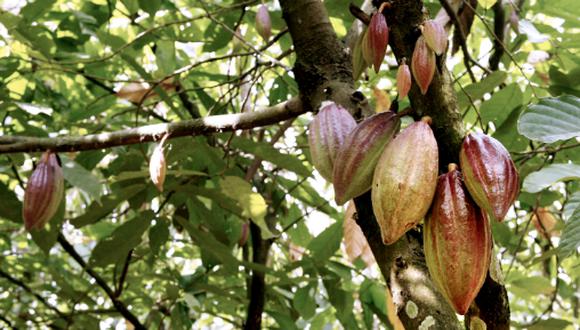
[80, 67]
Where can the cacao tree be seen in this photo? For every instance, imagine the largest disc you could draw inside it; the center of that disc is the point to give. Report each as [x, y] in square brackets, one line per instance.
[292, 164]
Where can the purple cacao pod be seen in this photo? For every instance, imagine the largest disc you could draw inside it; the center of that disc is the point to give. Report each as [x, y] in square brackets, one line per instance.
[457, 242]
[357, 158]
[490, 174]
[44, 192]
[327, 132]
[263, 22]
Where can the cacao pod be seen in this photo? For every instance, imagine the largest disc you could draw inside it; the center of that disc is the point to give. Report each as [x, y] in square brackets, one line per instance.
[423, 64]
[44, 192]
[158, 166]
[489, 173]
[457, 242]
[359, 64]
[263, 22]
[403, 80]
[377, 38]
[359, 154]
[545, 222]
[435, 36]
[326, 134]
[404, 180]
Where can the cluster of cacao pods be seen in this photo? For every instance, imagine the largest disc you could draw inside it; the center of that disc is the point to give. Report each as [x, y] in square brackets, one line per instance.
[371, 46]
[44, 192]
[402, 170]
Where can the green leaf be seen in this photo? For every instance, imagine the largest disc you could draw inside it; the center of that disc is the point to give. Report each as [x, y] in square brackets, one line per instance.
[96, 211]
[501, 105]
[552, 119]
[570, 240]
[79, 177]
[477, 90]
[550, 324]
[534, 285]
[253, 204]
[126, 237]
[165, 57]
[10, 206]
[537, 181]
[324, 245]
[158, 235]
[150, 6]
[571, 205]
[272, 155]
[8, 66]
[486, 4]
[304, 301]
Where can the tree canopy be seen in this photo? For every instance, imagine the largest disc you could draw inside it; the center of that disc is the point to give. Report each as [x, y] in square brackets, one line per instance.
[245, 232]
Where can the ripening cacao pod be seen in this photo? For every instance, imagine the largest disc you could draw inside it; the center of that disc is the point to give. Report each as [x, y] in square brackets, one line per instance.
[489, 173]
[158, 166]
[404, 180]
[263, 22]
[435, 36]
[359, 154]
[403, 80]
[44, 192]
[377, 39]
[457, 242]
[327, 132]
[545, 222]
[423, 64]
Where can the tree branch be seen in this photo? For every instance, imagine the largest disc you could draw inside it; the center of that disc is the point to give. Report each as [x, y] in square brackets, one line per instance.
[119, 305]
[201, 126]
[499, 22]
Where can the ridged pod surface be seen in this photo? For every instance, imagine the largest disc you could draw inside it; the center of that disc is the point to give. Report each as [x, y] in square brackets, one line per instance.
[263, 22]
[358, 156]
[403, 80]
[423, 64]
[435, 36]
[457, 242]
[327, 132]
[404, 180]
[490, 174]
[377, 38]
[44, 192]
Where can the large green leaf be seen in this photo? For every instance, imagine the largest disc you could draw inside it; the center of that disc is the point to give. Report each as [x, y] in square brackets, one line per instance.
[272, 155]
[96, 211]
[10, 206]
[477, 90]
[126, 237]
[79, 177]
[304, 301]
[552, 119]
[570, 241]
[501, 104]
[537, 181]
[326, 243]
[253, 204]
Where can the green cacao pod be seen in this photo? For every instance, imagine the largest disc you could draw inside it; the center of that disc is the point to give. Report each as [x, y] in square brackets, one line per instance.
[44, 192]
[357, 158]
[404, 180]
[490, 174]
[327, 132]
[457, 242]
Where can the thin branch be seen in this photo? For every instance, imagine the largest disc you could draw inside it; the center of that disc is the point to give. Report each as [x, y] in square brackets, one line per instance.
[119, 305]
[119, 289]
[148, 133]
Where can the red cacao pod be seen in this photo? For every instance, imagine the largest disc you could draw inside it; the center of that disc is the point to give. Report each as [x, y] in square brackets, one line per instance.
[44, 192]
[327, 132]
[377, 38]
[404, 180]
[435, 36]
[403, 80]
[357, 158]
[423, 64]
[490, 174]
[263, 22]
[457, 242]
[158, 166]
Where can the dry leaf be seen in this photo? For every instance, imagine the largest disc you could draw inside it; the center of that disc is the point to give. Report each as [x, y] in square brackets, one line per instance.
[354, 239]
[546, 224]
[382, 99]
